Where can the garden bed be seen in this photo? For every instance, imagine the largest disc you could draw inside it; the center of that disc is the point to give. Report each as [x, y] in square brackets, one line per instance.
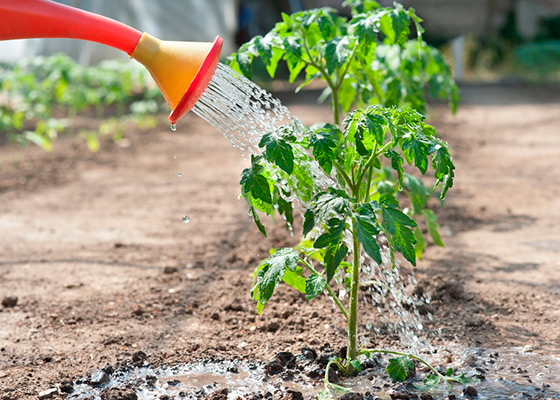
[94, 249]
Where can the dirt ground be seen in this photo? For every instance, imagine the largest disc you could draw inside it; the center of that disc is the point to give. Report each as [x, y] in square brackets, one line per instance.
[94, 248]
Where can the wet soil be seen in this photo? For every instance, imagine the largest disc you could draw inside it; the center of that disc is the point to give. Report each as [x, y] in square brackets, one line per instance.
[97, 269]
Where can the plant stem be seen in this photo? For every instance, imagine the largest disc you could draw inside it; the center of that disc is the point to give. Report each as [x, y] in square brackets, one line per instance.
[329, 290]
[344, 175]
[352, 351]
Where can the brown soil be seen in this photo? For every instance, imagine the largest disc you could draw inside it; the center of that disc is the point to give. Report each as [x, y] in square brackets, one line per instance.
[94, 248]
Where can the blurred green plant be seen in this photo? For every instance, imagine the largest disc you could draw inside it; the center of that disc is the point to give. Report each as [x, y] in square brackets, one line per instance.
[540, 58]
[39, 96]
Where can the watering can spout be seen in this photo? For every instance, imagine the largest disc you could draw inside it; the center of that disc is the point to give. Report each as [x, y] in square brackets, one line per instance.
[182, 70]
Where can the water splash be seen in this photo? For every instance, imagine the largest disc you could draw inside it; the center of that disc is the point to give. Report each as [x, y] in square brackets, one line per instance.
[186, 219]
[173, 127]
[241, 110]
[179, 174]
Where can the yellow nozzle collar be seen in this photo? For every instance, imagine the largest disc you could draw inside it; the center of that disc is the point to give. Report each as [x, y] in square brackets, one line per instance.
[173, 65]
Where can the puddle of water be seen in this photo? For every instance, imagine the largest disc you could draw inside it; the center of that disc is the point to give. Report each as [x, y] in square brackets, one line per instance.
[508, 374]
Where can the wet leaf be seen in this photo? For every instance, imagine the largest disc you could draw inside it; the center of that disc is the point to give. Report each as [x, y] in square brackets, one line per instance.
[399, 368]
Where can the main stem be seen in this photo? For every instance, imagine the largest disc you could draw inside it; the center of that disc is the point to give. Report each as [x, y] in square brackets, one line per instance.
[352, 351]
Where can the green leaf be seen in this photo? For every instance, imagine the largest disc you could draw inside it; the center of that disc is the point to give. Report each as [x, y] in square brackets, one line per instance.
[295, 279]
[443, 166]
[323, 142]
[255, 183]
[415, 149]
[395, 24]
[314, 285]
[278, 150]
[271, 271]
[399, 368]
[356, 365]
[432, 225]
[334, 234]
[397, 224]
[420, 243]
[308, 221]
[397, 165]
[419, 194]
[336, 53]
[334, 255]
[257, 220]
[365, 225]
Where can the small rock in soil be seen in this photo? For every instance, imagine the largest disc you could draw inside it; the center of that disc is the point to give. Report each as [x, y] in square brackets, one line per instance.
[314, 371]
[221, 394]
[292, 395]
[470, 392]
[66, 386]
[309, 353]
[170, 270]
[403, 396]
[118, 394]
[451, 397]
[426, 396]
[108, 369]
[98, 377]
[173, 382]
[284, 357]
[272, 326]
[139, 357]
[352, 396]
[233, 369]
[9, 301]
[273, 367]
[46, 394]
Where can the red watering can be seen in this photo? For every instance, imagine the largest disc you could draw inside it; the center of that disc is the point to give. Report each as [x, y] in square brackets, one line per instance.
[182, 70]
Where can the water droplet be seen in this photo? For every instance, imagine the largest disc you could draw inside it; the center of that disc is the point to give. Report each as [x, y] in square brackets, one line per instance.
[186, 219]
[179, 174]
[173, 127]
[174, 157]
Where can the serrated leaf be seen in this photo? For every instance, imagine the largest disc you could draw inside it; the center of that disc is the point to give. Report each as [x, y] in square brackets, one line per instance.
[399, 368]
[278, 150]
[314, 285]
[443, 166]
[334, 234]
[334, 255]
[365, 225]
[271, 271]
[398, 225]
[432, 225]
[414, 149]
[337, 51]
[323, 143]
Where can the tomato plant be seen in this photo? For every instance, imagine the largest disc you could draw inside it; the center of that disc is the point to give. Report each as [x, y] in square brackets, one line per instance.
[33, 88]
[350, 178]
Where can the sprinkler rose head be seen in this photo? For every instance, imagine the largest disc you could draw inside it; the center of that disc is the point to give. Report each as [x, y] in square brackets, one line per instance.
[181, 70]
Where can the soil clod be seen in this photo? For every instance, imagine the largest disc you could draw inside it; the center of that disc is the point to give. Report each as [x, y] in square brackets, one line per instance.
[66, 386]
[139, 357]
[98, 377]
[221, 394]
[352, 396]
[273, 367]
[470, 392]
[118, 394]
[9, 301]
